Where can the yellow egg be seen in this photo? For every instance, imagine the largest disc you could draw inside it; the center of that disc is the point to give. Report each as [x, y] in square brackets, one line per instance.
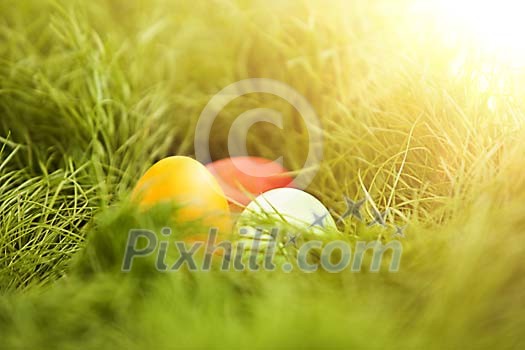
[187, 182]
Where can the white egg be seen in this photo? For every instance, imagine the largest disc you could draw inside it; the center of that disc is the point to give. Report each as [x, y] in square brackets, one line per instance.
[293, 206]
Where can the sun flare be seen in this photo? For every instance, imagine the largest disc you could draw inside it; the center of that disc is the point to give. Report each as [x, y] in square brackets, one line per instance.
[496, 27]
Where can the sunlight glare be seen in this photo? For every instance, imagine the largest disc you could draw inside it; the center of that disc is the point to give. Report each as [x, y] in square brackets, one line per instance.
[497, 27]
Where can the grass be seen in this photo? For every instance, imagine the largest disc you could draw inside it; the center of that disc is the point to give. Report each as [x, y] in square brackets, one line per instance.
[92, 93]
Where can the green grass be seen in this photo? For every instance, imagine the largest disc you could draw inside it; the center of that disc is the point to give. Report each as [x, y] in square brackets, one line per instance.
[92, 93]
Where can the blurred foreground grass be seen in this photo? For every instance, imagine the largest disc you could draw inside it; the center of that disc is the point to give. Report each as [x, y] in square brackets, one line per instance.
[92, 93]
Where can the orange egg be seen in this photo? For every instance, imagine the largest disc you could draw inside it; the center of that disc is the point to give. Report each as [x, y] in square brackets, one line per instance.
[187, 182]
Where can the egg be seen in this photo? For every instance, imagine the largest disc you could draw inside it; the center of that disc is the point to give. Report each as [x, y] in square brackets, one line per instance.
[244, 178]
[187, 182]
[297, 208]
